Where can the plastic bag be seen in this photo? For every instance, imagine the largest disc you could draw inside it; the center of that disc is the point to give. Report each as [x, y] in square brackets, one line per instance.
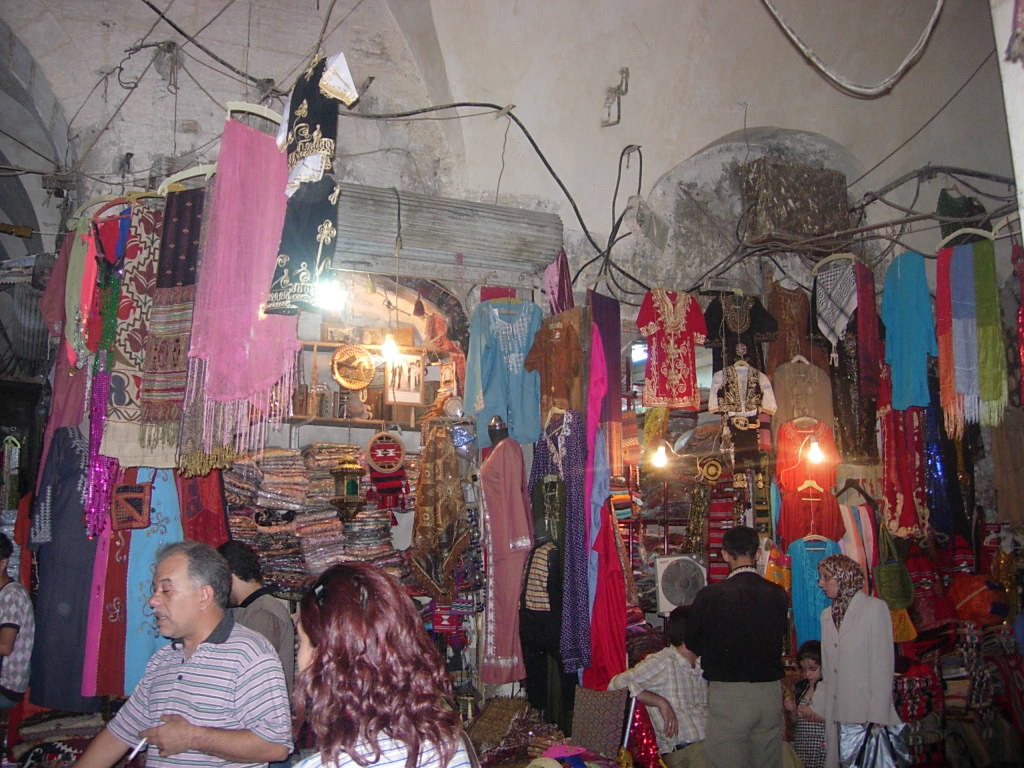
[866, 745]
[779, 569]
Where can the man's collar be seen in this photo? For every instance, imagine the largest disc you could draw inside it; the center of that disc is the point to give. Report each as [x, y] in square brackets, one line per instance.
[222, 630]
[742, 569]
[254, 595]
[219, 635]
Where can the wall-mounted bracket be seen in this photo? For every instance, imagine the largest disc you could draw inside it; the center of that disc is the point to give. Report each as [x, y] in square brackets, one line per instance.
[613, 98]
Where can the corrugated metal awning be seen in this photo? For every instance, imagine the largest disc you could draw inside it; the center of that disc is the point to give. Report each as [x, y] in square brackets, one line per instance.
[497, 243]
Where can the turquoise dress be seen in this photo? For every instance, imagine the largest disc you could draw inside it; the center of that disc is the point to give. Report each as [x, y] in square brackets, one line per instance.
[141, 635]
[910, 330]
[497, 383]
[808, 599]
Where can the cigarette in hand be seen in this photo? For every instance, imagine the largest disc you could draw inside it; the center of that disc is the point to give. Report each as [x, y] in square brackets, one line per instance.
[138, 748]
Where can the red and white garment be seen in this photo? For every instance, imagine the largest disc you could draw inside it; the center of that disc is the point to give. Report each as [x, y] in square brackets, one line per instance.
[673, 324]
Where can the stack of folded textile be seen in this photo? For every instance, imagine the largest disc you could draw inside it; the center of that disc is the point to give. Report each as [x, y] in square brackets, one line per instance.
[241, 482]
[320, 536]
[284, 481]
[368, 535]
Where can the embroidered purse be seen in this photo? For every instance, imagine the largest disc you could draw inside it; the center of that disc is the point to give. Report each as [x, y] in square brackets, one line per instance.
[129, 506]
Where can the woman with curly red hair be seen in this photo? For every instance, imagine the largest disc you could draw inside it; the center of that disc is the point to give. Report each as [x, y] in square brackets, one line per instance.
[371, 686]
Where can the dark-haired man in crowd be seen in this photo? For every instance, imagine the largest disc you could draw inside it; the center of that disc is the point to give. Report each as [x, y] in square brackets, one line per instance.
[736, 627]
[254, 605]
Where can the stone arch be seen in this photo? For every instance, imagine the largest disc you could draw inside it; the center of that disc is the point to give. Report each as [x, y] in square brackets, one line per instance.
[34, 131]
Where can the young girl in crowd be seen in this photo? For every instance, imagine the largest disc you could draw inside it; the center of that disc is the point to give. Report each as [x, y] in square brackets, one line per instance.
[809, 732]
[370, 684]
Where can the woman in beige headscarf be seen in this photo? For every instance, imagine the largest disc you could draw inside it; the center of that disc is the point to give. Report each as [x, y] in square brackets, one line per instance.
[856, 653]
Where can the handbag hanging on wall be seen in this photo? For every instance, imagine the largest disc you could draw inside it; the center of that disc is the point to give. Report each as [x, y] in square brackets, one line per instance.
[892, 578]
[130, 503]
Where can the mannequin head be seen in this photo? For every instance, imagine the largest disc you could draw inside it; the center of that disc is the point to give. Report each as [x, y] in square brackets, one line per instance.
[497, 429]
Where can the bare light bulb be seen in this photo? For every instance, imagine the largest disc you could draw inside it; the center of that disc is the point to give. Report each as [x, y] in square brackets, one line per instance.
[814, 454]
[329, 295]
[660, 457]
[389, 349]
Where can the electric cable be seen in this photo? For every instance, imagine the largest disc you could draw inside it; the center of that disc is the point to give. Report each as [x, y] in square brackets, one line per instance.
[903, 228]
[33, 150]
[201, 88]
[929, 121]
[286, 77]
[440, 119]
[81, 160]
[216, 16]
[266, 84]
[628, 149]
[497, 108]
[156, 21]
[323, 27]
[504, 145]
[863, 91]
[928, 172]
[229, 75]
[982, 192]
[608, 263]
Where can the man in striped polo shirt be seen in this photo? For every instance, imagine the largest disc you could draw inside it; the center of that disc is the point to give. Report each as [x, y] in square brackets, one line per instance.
[215, 695]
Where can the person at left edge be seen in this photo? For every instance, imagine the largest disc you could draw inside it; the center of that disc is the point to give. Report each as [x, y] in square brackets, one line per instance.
[17, 632]
[215, 695]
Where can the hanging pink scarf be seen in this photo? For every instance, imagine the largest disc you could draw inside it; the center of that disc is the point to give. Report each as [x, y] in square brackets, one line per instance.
[241, 360]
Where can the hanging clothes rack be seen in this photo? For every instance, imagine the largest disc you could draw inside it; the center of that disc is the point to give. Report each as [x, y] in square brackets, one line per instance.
[988, 235]
[253, 109]
[108, 202]
[206, 170]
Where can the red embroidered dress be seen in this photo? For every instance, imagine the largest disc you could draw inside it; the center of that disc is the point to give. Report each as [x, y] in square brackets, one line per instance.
[673, 324]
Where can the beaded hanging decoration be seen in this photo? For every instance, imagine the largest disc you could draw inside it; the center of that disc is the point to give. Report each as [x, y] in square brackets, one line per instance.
[103, 470]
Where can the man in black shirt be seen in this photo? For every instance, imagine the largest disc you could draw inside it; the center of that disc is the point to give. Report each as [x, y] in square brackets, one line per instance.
[737, 627]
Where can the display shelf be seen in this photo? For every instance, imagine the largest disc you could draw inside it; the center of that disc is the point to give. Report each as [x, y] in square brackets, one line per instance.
[324, 421]
[323, 346]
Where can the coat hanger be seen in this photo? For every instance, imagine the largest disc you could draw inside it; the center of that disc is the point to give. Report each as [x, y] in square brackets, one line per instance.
[107, 202]
[834, 257]
[253, 109]
[804, 422]
[965, 231]
[810, 484]
[1005, 222]
[206, 170]
[853, 485]
[799, 359]
[553, 411]
[815, 537]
